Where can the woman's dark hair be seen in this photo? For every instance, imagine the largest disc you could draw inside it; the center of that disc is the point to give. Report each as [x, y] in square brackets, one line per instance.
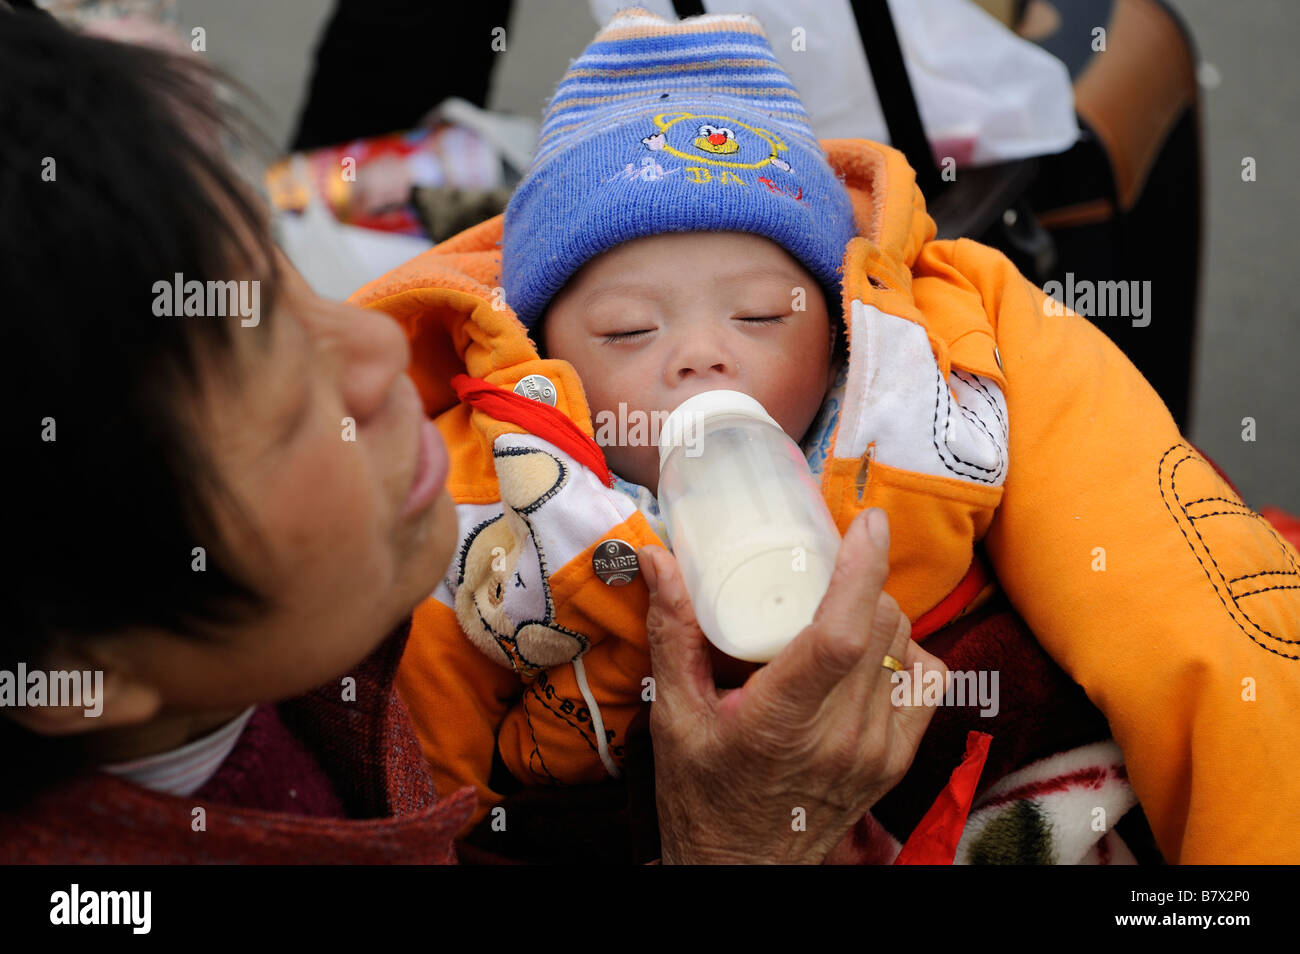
[112, 179]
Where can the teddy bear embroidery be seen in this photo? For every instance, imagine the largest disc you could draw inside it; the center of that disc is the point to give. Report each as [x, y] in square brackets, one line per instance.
[503, 598]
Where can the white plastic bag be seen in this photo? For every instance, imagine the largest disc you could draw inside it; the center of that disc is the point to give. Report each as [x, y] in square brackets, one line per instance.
[985, 94]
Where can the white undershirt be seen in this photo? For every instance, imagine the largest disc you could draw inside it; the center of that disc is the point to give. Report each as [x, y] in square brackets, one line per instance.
[185, 770]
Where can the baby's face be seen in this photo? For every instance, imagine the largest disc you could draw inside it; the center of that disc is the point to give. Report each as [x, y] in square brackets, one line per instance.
[656, 320]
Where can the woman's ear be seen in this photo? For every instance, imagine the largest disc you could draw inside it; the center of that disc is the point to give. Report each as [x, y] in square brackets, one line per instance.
[106, 695]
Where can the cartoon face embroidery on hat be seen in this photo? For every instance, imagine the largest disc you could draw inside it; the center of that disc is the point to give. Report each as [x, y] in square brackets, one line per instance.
[714, 140]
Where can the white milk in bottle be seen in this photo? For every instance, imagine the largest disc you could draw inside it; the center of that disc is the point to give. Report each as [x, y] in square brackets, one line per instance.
[747, 522]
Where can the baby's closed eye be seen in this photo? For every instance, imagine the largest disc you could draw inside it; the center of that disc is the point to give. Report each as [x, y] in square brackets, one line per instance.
[625, 335]
[616, 336]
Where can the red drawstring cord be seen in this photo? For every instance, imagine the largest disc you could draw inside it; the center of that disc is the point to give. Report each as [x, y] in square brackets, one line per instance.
[976, 578]
[541, 419]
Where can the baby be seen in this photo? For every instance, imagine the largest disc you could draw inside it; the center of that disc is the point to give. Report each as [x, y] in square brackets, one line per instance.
[681, 229]
[692, 322]
[707, 310]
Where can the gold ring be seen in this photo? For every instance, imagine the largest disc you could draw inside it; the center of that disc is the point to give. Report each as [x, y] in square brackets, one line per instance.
[892, 664]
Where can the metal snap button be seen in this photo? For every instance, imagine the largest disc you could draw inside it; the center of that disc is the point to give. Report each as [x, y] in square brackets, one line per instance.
[537, 387]
[615, 562]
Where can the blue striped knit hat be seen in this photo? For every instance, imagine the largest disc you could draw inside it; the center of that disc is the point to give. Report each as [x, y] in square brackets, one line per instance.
[671, 126]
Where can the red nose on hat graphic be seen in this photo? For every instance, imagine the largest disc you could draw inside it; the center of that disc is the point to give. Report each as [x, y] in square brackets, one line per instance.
[718, 140]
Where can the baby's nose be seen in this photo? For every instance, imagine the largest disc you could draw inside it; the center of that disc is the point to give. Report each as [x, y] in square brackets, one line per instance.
[701, 352]
[703, 367]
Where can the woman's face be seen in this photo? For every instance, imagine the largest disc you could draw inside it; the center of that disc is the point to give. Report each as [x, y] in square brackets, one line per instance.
[325, 446]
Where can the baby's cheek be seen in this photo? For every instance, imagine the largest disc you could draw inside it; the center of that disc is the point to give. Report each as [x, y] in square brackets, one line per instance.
[797, 401]
[635, 463]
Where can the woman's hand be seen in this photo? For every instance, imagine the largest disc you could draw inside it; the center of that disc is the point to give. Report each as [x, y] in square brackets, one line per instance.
[781, 768]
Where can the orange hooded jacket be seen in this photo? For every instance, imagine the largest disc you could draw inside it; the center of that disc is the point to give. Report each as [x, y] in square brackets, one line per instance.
[974, 411]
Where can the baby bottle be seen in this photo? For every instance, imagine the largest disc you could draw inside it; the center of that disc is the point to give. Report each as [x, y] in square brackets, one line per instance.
[747, 523]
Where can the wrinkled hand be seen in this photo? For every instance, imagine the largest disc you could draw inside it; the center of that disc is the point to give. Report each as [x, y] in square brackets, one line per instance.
[814, 729]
